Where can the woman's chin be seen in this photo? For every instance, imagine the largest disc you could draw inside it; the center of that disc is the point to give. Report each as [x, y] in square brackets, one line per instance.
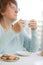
[14, 19]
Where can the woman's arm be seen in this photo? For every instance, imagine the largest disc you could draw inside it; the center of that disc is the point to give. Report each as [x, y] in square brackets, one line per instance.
[32, 44]
[34, 41]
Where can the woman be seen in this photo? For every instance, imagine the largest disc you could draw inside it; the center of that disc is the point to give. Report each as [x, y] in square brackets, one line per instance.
[14, 38]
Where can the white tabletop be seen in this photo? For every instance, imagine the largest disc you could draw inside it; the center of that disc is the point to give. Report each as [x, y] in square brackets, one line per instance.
[33, 59]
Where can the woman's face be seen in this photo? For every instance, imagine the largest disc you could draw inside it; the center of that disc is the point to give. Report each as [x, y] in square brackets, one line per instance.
[11, 12]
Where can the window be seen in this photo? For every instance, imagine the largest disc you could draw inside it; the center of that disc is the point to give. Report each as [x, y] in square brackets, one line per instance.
[31, 9]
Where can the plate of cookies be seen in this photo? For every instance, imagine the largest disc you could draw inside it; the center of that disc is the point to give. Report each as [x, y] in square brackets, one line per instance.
[9, 58]
[40, 53]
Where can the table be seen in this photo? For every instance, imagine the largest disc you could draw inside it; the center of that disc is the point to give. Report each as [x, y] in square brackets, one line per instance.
[33, 59]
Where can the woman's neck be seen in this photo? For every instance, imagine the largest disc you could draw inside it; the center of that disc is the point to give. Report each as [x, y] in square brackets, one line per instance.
[6, 24]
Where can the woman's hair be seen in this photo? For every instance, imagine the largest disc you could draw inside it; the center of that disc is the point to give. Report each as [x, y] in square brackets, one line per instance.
[3, 5]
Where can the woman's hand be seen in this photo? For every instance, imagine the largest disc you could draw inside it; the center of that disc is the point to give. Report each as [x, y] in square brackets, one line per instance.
[18, 26]
[33, 24]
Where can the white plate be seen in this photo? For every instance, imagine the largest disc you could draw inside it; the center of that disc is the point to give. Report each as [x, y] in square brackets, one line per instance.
[23, 53]
[39, 53]
[8, 60]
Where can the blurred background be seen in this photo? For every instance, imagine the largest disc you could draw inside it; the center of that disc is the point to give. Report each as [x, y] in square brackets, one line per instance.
[32, 9]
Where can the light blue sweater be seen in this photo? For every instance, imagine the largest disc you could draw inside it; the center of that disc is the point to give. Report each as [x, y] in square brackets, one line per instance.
[10, 42]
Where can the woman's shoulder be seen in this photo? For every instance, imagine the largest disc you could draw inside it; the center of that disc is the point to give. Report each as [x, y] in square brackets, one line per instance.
[0, 27]
[1, 30]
